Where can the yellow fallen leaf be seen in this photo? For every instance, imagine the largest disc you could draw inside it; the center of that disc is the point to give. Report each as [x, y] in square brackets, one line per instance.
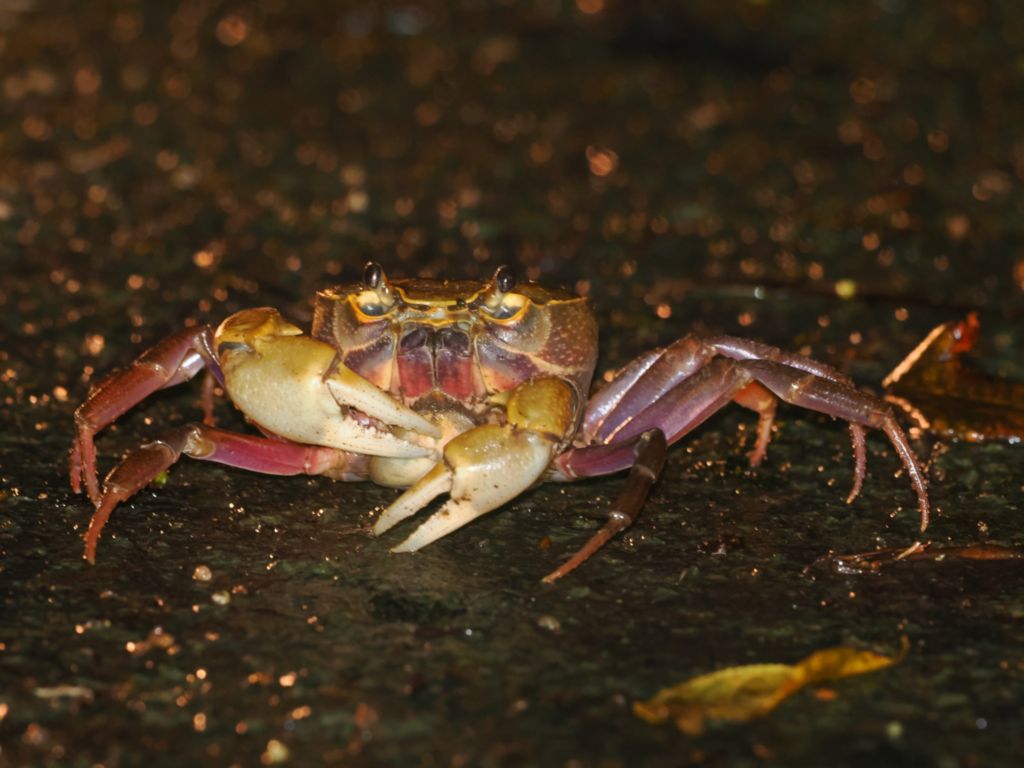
[739, 694]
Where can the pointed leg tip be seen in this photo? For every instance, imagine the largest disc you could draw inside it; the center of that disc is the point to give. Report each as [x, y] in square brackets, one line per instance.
[566, 568]
[858, 486]
[757, 455]
[94, 494]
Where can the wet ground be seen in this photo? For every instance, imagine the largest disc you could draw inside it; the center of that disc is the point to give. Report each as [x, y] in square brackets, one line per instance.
[836, 179]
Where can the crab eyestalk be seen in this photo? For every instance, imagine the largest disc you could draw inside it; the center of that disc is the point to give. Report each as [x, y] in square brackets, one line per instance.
[380, 298]
[498, 300]
[505, 278]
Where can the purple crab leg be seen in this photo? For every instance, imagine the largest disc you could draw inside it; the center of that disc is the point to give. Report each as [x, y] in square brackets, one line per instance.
[752, 383]
[860, 460]
[764, 403]
[605, 400]
[685, 407]
[652, 375]
[172, 361]
[736, 348]
[648, 456]
[844, 402]
[641, 443]
[270, 456]
[655, 372]
[645, 380]
[688, 404]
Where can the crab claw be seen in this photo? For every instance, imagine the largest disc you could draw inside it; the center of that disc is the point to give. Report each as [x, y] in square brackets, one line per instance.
[488, 465]
[482, 469]
[297, 387]
[349, 388]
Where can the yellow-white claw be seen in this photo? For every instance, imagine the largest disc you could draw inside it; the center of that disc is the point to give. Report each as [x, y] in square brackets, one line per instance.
[349, 388]
[430, 486]
[482, 469]
[291, 385]
[347, 434]
[452, 516]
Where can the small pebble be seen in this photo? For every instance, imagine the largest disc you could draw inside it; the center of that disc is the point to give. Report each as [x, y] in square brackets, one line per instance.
[202, 573]
[549, 622]
[276, 752]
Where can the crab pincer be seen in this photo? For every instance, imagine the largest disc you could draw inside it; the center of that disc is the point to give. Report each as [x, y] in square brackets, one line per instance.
[297, 388]
[488, 465]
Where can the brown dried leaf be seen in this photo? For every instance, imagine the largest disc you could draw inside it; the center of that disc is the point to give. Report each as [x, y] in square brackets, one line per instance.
[739, 694]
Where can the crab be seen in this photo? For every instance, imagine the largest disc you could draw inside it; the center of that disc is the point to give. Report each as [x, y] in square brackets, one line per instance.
[477, 390]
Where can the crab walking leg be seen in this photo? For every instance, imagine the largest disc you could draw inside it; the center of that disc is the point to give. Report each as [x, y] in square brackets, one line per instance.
[645, 380]
[649, 459]
[693, 400]
[657, 374]
[657, 371]
[677, 413]
[206, 398]
[687, 405]
[860, 460]
[736, 348]
[844, 402]
[295, 387]
[172, 361]
[755, 397]
[764, 404]
[604, 402]
[260, 454]
[489, 465]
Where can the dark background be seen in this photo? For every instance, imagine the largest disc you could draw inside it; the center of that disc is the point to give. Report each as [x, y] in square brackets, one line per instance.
[713, 165]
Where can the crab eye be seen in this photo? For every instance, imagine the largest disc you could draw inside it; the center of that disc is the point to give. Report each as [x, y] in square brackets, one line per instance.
[504, 279]
[499, 302]
[373, 274]
[378, 300]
